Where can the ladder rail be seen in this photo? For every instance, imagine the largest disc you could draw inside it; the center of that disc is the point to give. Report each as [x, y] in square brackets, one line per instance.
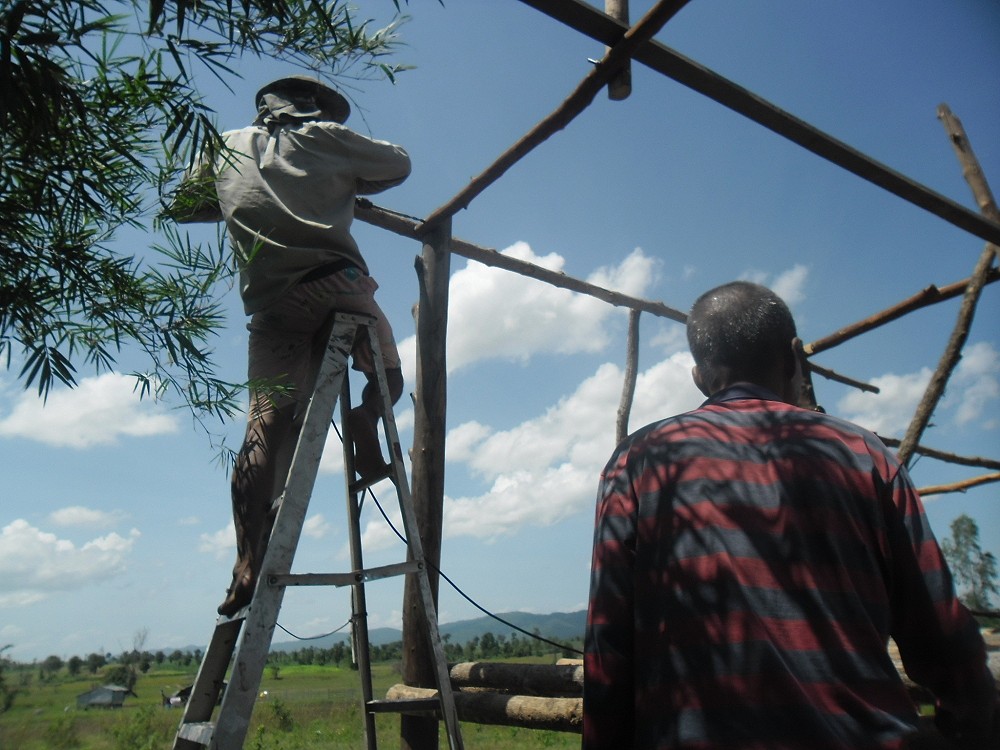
[359, 605]
[411, 533]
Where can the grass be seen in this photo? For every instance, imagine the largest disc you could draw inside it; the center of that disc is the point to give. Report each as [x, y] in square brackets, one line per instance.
[314, 707]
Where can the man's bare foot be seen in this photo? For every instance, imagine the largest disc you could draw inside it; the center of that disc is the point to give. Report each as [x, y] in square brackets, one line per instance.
[239, 593]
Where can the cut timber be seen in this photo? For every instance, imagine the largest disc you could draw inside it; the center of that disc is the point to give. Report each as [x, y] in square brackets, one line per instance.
[521, 679]
[487, 707]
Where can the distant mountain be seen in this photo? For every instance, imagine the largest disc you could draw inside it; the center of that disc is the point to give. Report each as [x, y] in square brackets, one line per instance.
[556, 626]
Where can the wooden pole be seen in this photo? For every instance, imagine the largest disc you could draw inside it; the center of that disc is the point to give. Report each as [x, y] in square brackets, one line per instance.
[631, 373]
[522, 679]
[952, 458]
[965, 484]
[620, 86]
[433, 274]
[499, 709]
[838, 378]
[408, 226]
[953, 351]
[929, 296]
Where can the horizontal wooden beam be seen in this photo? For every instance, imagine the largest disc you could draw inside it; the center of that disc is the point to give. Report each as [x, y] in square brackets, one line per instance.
[407, 226]
[590, 21]
[962, 486]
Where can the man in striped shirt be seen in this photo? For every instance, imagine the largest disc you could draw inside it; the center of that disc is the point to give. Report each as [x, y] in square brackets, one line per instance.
[752, 559]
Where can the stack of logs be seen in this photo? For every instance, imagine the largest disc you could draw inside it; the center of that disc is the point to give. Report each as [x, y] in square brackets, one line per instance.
[550, 696]
[534, 696]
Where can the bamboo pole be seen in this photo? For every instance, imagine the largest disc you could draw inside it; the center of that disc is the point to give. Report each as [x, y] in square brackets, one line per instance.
[631, 373]
[620, 86]
[433, 272]
[577, 101]
[953, 351]
[584, 18]
[931, 295]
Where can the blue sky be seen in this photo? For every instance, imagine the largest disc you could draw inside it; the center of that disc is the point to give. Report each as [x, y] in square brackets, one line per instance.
[115, 517]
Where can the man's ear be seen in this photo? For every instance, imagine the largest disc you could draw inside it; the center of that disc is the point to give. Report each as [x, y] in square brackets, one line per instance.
[792, 365]
[699, 381]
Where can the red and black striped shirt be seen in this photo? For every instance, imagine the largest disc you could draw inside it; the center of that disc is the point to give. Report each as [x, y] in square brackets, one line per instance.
[751, 560]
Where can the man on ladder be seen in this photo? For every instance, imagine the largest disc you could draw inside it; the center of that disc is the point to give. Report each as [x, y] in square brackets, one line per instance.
[286, 187]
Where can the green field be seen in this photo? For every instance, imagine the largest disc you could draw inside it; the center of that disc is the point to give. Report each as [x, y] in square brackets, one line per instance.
[306, 706]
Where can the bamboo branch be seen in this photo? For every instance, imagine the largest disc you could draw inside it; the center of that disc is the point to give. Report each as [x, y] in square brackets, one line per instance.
[953, 351]
[577, 101]
[929, 296]
[939, 489]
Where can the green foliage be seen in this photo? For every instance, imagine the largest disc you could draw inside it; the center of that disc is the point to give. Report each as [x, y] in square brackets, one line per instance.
[100, 114]
[974, 571]
[61, 733]
[138, 731]
[7, 693]
[120, 674]
[281, 717]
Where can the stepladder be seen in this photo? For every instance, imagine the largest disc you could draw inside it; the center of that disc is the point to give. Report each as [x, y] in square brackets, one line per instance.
[218, 712]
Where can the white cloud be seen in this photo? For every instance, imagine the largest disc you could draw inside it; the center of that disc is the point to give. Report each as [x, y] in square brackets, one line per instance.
[35, 563]
[789, 285]
[316, 526]
[546, 469]
[497, 314]
[77, 515]
[889, 411]
[97, 412]
[976, 383]
[220, 544]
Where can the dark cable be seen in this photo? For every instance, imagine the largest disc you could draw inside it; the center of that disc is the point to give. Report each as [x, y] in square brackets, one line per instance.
[465, 596]
[312, 637]
[454, 585]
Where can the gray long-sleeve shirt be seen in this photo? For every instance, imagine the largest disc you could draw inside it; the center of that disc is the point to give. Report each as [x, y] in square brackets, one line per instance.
[287, 197]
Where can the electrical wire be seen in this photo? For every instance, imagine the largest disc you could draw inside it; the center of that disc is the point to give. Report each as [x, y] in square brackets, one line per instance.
[441, 573]
[465, 596]
[312, 637]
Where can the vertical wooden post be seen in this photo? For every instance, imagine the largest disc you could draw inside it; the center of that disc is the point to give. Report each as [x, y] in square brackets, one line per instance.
[621, 85]
[953, 351]
[631, 374]
[433, 273]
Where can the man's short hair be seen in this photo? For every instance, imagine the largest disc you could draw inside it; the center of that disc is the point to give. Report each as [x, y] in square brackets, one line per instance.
[740, 327]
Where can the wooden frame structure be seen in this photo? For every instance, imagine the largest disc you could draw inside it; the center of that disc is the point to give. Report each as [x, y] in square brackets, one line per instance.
[626, 44]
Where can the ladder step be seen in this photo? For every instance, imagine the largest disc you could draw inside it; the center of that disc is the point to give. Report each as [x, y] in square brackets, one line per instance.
[345, 579]
[406, 706]
[200, 732]
[363, 484]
